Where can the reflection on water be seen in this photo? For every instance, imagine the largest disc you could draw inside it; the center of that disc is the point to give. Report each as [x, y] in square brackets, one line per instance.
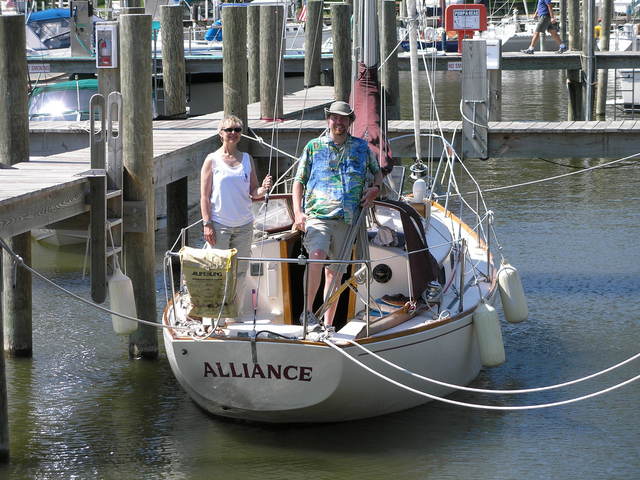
[52, 258]
[81, 409]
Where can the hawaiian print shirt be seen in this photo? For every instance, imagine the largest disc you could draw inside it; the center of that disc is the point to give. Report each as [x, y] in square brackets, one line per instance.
[335, 177]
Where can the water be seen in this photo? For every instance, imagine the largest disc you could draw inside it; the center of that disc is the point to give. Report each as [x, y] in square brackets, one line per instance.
[81, 409]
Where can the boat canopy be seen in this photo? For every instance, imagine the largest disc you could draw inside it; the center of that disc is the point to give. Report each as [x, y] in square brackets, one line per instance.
[50, 14]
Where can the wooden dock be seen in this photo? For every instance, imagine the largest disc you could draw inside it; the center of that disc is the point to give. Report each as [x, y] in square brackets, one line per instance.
[51, 188]
[294, 64]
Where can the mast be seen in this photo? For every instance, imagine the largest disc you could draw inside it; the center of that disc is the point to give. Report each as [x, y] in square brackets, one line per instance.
[413, 58]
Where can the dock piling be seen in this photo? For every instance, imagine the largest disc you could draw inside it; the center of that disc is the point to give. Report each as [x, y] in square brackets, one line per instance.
[173, 66]
[313, 43]
[253, 50]
[14, 148]
[271, 65]
[234, 60]
[474, 102]
[601, 92]
[341, 31]
[137, 145]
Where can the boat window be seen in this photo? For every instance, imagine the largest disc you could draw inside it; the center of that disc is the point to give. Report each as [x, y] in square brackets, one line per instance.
[54, 33]
[71, 104]
[274, 216]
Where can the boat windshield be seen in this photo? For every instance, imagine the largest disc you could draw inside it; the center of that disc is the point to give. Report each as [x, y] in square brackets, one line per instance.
[53, 33]
[70, 104]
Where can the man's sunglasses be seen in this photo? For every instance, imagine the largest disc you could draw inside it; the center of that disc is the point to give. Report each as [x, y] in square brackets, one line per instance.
[232, 129]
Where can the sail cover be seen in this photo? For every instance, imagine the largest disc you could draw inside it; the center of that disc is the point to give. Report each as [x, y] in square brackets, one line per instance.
[370, 123]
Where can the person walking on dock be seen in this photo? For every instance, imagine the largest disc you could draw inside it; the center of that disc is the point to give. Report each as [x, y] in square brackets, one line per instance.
[334, 174]
[547, 23]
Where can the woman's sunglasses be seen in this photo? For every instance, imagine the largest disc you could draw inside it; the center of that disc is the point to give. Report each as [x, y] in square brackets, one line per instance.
[232, 129]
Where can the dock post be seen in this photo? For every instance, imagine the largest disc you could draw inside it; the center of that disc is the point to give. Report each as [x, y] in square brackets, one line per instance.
[475, 101]
[253, 49]
[4, 408]
[14, 148]
[173, 66]
[234, 60]
[15, 298]
[341, 31]
[313, 43]
[137, 146]
[175, 93]
[574, 78]
[271, 65]
[588, 58]
[601, 94]
[390, 75]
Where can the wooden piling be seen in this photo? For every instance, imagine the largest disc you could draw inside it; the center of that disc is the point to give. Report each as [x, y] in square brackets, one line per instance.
[234, 61]
[605, 35]
[137, 145]
[14, 148]
[271, 65]
[177, 209]
[574, 77]
[253, 50]
[173, 66]
[4, 408]
[341, 31]
[390, 75]
[313, 43]
[474, 103]
[588, 58]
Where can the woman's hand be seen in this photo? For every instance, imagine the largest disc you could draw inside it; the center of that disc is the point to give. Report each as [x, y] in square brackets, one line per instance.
[209, 234]
[266, 185]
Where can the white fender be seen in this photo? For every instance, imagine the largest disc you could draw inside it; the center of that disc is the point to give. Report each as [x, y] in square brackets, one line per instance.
[122, 301]
[514, 303]
[489, 334]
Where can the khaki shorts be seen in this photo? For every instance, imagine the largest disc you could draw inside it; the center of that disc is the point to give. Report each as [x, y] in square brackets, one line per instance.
[327, 236]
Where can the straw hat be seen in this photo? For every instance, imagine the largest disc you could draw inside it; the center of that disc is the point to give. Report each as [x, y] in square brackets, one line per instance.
[340, 108]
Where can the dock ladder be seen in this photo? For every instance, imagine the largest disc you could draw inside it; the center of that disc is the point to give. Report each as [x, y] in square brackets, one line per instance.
[106, 190]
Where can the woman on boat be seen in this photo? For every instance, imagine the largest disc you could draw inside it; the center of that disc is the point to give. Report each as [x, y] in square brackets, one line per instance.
[228, 183]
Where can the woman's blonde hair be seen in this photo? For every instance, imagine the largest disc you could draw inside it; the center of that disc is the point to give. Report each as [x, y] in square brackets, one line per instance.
[230, 120]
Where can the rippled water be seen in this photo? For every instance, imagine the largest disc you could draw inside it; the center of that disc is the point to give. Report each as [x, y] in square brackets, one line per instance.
[81, 409]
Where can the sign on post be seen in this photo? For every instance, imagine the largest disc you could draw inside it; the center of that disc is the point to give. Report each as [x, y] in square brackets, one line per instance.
[465, 19]
[107, 45]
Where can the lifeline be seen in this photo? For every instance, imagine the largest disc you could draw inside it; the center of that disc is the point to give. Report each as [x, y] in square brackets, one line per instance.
[243, 370]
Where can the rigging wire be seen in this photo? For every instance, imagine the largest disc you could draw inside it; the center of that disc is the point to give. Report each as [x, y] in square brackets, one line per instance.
[476, 405]
[495, 392]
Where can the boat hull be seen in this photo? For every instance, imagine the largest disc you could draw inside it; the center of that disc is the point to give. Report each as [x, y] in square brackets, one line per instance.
[311, 382]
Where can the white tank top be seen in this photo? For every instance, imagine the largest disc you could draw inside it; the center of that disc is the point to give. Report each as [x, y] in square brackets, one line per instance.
[230, 201]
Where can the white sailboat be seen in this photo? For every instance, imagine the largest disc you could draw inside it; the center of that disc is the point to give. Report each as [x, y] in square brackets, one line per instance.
[418, 299]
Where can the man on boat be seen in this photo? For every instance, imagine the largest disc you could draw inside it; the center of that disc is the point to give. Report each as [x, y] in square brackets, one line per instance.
[337, 175]
[547, 23]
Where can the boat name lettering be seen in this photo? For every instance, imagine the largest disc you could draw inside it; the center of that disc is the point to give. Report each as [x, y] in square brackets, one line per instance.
[201, 273]
[268, 371]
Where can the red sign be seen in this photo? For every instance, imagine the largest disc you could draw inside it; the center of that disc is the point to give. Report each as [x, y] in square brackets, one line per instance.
[465, 19]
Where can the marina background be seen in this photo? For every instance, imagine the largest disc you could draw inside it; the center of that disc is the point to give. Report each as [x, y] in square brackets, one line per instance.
[81, 409]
